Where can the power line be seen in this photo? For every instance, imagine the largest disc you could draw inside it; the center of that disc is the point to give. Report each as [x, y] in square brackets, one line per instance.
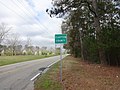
[24, 13]
[27, 13]
[13, 11]
[32, 15]
[16, 13]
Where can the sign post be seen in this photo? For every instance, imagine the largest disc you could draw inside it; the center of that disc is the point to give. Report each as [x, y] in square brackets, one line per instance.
[61, 39]
[61, 63]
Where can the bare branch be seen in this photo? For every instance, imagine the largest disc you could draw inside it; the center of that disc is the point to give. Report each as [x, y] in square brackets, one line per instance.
[4, 30]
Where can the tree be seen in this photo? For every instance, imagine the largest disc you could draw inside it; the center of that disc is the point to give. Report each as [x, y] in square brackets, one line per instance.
[13, 41]
[37, 49]
[29, 41]
[18, 49]
[98, 30]
[4, 30]
[28, 45]
[89, 18]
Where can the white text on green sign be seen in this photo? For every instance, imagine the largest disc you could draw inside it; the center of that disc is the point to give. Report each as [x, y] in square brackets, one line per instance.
[60, 38]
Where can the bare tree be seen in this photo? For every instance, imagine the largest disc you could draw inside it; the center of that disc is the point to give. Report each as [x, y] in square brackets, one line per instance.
[4, 30]
[29, 41]
[28, 45]
[13, 41]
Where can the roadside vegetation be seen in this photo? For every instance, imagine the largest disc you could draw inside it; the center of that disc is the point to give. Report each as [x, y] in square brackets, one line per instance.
[13, 47]
[92, 27]
[49, 80]
[80, 75]
[5, 60]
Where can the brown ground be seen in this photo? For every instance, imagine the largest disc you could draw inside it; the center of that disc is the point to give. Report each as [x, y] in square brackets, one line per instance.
[80, 75]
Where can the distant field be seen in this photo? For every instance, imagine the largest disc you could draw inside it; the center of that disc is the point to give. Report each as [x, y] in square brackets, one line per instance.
[5, 60]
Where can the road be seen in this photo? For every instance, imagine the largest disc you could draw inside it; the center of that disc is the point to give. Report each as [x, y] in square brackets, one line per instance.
[18, 76]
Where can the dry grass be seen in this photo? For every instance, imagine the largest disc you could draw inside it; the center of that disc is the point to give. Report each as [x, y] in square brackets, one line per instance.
[80, 75]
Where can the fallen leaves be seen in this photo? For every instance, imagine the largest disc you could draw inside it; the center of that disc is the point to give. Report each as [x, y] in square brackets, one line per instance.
[80, 75]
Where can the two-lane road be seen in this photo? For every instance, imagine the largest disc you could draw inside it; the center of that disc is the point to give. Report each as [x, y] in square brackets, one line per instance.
[18, 76]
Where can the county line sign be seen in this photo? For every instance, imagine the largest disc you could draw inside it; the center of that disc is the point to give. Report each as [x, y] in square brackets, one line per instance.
[60, 38]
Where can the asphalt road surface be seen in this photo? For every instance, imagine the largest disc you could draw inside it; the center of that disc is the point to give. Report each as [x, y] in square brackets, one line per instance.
[19, 76]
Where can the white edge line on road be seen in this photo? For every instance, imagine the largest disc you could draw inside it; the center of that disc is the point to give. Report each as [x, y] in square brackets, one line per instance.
[41, 72]
[52, 64]
[35, 76]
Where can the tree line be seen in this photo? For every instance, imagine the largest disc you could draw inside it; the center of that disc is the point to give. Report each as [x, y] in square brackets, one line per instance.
[11, 44]
[93, 28]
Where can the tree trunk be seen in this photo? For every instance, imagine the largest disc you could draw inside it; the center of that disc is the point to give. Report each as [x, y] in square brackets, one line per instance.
[81, 42]
[98, 29]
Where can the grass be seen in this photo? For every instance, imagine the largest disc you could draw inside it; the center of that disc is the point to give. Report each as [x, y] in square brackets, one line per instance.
[5, 60]
[49, 81]
[79, 75]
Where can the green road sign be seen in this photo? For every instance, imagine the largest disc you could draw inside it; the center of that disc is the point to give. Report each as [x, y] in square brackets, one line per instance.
[60, 38]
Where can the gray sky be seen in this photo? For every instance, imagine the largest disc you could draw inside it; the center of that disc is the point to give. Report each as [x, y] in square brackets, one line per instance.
[29, 19]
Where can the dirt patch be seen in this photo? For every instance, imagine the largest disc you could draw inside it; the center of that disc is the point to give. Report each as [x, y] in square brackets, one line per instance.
[80, 75]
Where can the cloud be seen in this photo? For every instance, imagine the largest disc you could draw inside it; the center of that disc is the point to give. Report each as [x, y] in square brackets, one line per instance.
[29, 19]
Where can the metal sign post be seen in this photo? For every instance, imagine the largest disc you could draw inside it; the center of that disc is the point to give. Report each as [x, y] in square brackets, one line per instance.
[61, 63]
[61, 39]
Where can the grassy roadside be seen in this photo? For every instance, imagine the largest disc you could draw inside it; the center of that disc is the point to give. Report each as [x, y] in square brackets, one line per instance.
[49, 80]
[80, 75]
[5, 60]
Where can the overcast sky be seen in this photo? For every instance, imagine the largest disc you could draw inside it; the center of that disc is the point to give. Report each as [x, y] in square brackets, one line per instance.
[29, 19]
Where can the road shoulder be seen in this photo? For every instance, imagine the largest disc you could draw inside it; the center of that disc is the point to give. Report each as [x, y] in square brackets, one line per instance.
[80, 75]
